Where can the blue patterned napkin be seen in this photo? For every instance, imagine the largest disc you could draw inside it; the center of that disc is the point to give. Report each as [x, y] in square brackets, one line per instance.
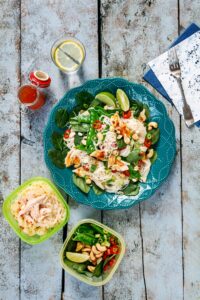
[151, 78]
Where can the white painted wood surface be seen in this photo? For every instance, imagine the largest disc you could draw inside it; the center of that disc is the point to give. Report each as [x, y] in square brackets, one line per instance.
[132, 33]
[190, 184]
[9, 143]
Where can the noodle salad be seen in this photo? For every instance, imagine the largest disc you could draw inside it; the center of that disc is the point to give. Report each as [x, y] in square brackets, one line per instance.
[109, 142]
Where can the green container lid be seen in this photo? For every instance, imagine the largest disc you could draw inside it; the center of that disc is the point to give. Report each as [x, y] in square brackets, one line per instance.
[36, 239]
[95, 281]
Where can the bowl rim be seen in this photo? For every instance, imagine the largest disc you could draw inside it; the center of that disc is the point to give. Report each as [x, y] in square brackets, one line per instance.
[13, 223]
[112, 79]
[84, 278]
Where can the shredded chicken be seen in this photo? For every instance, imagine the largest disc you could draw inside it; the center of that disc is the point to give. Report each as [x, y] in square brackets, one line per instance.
[37, 209]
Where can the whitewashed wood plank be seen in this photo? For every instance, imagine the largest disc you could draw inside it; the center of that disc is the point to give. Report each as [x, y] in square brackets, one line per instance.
[119, 59]
[161, 216]
[190, 183]
[9, 143]
[85, 28]
[42, 25]
[133, 34]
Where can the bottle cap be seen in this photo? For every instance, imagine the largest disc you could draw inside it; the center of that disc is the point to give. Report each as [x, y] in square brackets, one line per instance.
[40, 79]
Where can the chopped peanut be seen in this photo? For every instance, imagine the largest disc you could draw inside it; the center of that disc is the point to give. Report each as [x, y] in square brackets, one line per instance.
[92, 257]
[79, 246]
[127, 140]
[142, 116]
[88, 181]
[91, 268]
[99, 260]
[101, 248]
[95, 251]
[83, 142]
[150, 153]
[100, 136]
[135, 137]
[99, 255]
[86, 249]
[115, 152]
[152, 125]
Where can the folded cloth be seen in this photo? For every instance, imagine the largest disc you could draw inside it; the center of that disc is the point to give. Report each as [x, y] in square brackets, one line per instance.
[150, 76]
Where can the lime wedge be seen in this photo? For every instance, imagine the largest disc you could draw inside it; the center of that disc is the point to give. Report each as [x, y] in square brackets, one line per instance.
[106, 98]
[123, 100]
[69, 55]
[77, 257]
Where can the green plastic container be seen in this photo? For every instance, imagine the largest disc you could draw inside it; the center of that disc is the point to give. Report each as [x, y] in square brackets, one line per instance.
[106, 277]
[36, 239]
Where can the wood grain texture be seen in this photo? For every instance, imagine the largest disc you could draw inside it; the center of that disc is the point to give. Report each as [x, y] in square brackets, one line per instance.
[135, 28]
[118, 60]
[161, 215]
[85, 28]
[9, 142]
[41, 274]
[190, 183]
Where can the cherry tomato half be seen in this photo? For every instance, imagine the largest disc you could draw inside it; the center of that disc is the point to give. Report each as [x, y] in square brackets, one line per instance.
[147, 143]
[126, 173]
[97, 124]
[127, 114]
[112, 240]
[106, 267]
[67, 133]
[112, 262]
[114, 249]
[86, 168]
[140, 163]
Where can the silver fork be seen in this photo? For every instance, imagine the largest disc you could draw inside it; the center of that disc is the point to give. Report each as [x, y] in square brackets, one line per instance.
[175, 69]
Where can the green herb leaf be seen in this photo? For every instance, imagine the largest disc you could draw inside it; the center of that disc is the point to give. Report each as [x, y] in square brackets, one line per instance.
[132, 189]
[80, 128]
[85, 238]
[93, 168]
[77, 139]
[137, 107]
[86, 228]
[121, 144]
[134, 174]
[154, 157]
[97, 228]
[155, 134]
[97, 189]
[84, 97]
[57, 140]
[81, 147]
[98, 270]
[134, 156]
[80, 268]
[75, 111]
[147, 111]
[81, 184]
[58, 157]
[61, 117]
[71, 246]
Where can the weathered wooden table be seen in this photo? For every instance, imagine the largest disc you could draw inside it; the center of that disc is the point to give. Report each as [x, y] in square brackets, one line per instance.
[162, 260]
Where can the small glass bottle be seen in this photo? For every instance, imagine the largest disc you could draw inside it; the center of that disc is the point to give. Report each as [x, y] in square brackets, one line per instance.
[30, 95]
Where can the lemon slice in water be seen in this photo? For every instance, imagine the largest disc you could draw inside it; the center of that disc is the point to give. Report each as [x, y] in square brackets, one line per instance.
[69, 56]
[77, 257]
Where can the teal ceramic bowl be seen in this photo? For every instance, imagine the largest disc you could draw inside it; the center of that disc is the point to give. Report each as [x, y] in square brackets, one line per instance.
[166, 147]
